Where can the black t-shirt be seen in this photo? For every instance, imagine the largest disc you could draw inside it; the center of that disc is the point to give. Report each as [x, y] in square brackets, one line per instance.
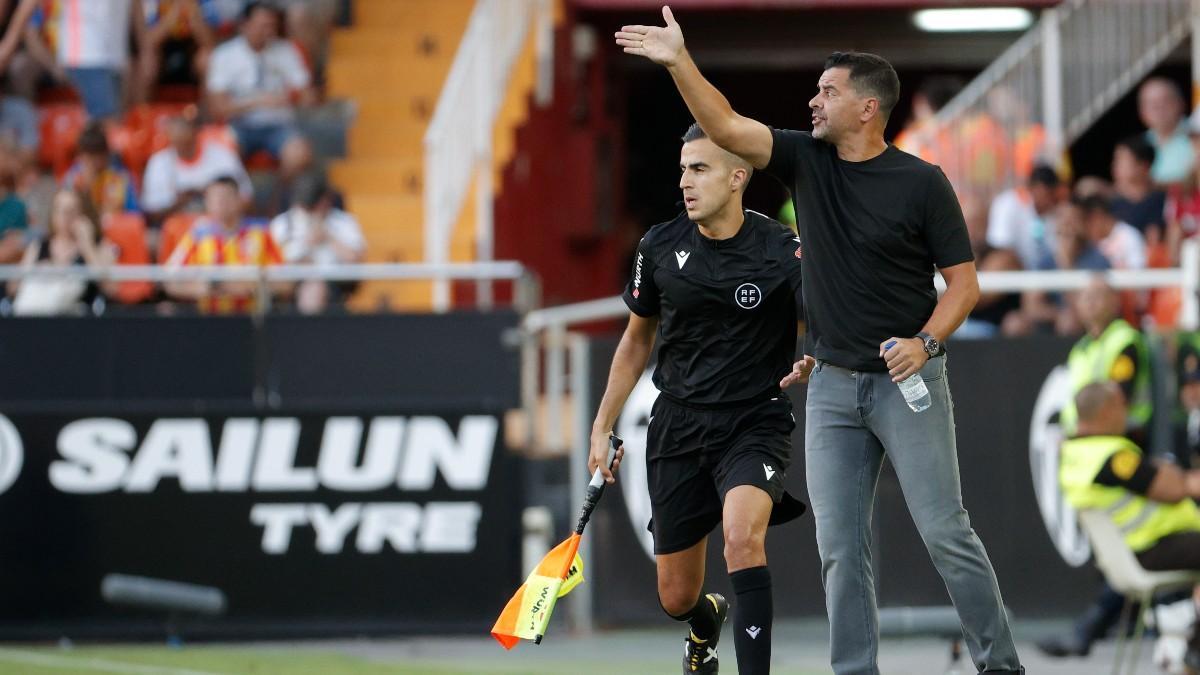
[1149, 211]
[873, 231]
[727, 308]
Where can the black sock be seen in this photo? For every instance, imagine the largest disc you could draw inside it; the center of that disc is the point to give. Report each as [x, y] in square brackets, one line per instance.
[702, 617]
[752, 620]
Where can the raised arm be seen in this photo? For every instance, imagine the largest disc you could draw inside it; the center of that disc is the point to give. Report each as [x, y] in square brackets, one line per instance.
[749, 139]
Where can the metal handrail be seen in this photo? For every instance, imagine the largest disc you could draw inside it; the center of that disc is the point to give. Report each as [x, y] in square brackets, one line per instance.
[1051, 85]
[501, 270]
[458, 142]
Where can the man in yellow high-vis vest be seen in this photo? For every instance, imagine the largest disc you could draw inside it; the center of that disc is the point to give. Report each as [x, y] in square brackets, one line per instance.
[1150, 501]
[1112, 350]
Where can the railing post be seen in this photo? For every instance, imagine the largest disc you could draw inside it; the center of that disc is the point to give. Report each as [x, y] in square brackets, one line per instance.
[581, 603]
[556, 380]
[1052, 85]
[1189, 307]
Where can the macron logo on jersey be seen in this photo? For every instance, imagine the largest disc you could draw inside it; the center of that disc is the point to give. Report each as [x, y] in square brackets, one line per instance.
[769, 471]
[681, 257]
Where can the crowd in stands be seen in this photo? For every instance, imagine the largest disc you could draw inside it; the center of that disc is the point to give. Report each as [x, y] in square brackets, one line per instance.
[1052, 221]
[164, 131]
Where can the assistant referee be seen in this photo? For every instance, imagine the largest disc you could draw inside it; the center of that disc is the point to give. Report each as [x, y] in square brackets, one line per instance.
[875, 223]
[719, 285]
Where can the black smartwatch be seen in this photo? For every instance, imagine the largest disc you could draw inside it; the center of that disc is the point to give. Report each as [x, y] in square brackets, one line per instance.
[932, 346]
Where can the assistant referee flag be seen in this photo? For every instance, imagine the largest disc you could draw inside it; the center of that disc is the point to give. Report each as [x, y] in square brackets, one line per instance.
[528, 612]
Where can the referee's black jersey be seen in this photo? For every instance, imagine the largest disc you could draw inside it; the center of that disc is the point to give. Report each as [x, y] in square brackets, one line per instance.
[727, 308]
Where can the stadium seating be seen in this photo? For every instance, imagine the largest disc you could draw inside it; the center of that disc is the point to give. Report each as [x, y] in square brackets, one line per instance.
[392, 62]
[127, 231]
[173, 229]
[59, 128]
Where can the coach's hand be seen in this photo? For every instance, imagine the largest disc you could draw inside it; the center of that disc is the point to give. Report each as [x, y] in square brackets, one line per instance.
[800, 372]
[662, 45]
[905, 357]
[599, 454]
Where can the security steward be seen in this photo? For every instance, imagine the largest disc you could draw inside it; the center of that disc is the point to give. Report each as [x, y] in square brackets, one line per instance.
[1111, 350]
[1150, 501]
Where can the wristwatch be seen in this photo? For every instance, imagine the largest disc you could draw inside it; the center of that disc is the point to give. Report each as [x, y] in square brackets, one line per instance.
[932, 346]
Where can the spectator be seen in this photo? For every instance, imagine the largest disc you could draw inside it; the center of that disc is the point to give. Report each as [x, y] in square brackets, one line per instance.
[1118, 241]
[256, 81]
[921, 136]
[314, 231]
[73, 241]
[36, 62]
[19, 129]
[223, 237]
[985, 319]
[1137, 200]
[179, 40]
[102, 182]
[93, 46]
[1161, 109]
[14, 221]
[1183, 201]
[1021, 219]
[176, 176]
[1046, 312]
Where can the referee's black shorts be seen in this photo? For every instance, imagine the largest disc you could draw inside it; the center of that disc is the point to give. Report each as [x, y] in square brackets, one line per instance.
[695, 456]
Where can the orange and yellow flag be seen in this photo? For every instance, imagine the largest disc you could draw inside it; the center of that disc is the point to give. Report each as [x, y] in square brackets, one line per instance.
[528, 612]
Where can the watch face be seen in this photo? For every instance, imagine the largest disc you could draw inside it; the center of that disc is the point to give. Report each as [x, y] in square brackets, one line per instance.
[932, 346]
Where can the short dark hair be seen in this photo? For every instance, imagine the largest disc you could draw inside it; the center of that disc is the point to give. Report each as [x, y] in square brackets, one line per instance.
[1139, 147]
[1044, 174]
[255, 5]
[1094, 203]
[310, 189]
[92, 140]
[870, 74]
[694, 133]
[939, 89]
[226, 180]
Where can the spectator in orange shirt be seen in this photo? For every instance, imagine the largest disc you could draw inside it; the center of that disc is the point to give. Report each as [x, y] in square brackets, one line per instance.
[921, 136]
[224, 237]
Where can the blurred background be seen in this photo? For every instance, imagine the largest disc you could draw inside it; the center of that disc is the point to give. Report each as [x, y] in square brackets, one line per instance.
[308, 305]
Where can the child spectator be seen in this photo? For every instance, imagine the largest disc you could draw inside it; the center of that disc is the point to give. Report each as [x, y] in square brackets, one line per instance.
[1136, 199]
[102, 182]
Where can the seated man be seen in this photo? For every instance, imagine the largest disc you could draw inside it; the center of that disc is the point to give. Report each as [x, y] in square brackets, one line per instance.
[223, 237]
[176, 176]
[1150, 501]
[256, 81]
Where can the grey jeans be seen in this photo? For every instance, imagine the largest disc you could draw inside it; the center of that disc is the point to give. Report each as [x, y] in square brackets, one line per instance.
[853, 419]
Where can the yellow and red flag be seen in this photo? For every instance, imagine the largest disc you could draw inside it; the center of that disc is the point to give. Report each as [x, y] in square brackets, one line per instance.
[528, 612]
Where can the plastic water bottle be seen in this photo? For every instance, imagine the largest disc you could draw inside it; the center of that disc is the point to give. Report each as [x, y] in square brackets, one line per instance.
[913, 389]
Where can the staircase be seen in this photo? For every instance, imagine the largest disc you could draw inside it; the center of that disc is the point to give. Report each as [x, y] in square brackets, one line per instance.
[396, 64]
[1045, 91]
[392, 63]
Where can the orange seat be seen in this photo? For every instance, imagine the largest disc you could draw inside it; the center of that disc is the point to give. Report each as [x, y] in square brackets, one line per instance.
[127, 231]
[59, 129]
[173, 229]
